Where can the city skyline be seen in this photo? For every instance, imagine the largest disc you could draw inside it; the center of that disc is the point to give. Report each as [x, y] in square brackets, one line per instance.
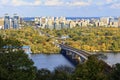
[67, 8]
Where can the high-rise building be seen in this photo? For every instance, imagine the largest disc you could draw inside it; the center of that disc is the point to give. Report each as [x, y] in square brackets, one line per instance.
[104, 21]
[11, 22]
[62, 25]
[50, 24]
[15, 21]
[111, 19]
[6, 21]
[43, 20]
[37, 21]
[72, 24]
[57, 26]
[119, 22]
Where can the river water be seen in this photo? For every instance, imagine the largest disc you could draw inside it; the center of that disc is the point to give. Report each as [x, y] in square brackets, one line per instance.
[112, 58]
[54, 60]
[50, 61]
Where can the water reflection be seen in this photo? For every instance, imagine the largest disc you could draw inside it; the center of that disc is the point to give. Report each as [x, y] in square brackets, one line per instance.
[101, 56]
[55, 60]
[112, 58]
[50, 61]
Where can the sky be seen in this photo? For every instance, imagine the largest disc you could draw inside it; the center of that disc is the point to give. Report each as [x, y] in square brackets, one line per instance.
[67, 8]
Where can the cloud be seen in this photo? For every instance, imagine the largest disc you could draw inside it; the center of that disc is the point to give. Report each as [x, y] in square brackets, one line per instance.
[25, 3]
[20, 3]
[79, 3]
[103, 3]
[67, 3]
[45, 2]
[4, 2]
[53, 3]
[115, 6]
[109, 1]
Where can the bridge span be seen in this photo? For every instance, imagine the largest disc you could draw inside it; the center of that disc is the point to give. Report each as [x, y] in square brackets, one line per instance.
[74, 55]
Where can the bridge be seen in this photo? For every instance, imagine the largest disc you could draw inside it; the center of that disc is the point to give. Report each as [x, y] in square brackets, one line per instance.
[74, 55]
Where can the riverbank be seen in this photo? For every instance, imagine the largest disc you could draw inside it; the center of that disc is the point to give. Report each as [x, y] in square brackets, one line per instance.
[49, 61]
[106, 51]
[46, 53]
[99, 52]
[53, 60]
[88, 39]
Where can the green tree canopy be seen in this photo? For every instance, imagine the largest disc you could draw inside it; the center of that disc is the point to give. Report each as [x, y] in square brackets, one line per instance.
[93, 69]
[16, 66]
[43, 74]
[115, 73]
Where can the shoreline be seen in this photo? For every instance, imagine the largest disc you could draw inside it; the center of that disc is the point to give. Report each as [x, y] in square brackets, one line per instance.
[45, 53]
[88, 51]
[107, 51]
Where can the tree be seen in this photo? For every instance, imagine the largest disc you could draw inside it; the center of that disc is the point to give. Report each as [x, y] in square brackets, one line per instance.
[93, 69]
[43, 74]
[65, 69]
[62, 73]
[15, 65]
[115, 75]
[1, 42]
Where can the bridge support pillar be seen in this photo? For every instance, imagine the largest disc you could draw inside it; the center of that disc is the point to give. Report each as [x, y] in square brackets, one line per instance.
[74, 55]
[68, 53]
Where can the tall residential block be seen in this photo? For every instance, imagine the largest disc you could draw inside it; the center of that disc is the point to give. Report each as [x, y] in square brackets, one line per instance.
[6, 21]
[104, 21]
[15, 21]
[11, 22]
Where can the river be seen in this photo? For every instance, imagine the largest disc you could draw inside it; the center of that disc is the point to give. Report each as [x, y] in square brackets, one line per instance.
[112, 58]
[54, 60]
[50, 61]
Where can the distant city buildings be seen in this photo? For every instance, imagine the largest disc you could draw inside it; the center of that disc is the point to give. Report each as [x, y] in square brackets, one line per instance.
[15, 21]
[119, 22]
[11, 22]
[1, 23]
[6, 22]
[57, 23]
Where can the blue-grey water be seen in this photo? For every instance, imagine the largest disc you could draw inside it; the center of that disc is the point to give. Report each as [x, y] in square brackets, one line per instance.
[50, 61]
[112, 58]
[54, 60]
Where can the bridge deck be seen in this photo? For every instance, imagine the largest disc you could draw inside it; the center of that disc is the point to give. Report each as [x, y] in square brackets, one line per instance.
[85, 53]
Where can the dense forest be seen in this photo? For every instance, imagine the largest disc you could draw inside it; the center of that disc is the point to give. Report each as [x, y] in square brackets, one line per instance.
[94, 39]
[29, 36]
[16, 65]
